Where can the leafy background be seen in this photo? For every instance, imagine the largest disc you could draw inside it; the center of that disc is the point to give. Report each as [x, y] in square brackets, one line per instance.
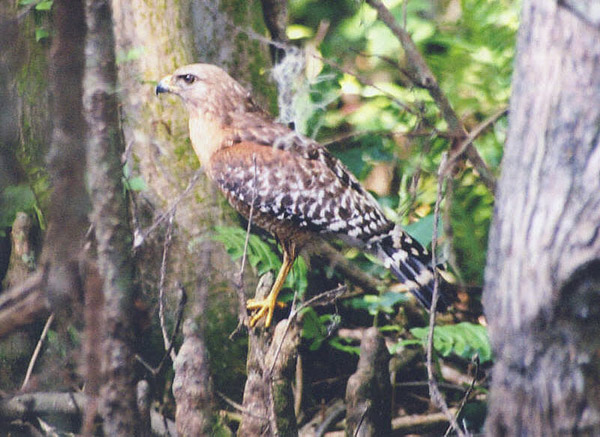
[353, 98]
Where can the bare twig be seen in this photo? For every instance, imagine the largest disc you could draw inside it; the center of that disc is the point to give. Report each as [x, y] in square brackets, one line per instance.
[70, 404]
[178, 317]
[467, 394]
[169, 351]
[239, 283]
[37, 349]
[324, 298]
[161, 286]
[434, 390]
[24, 303]
[423, 77]
[472, 136]
[140, 238]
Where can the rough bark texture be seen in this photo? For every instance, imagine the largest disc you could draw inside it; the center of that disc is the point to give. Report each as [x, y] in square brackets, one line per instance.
[154, 38]
[268, 397]
[69, 205]
[192, 386]
[369, 391]
[24, 406]
[542, 286]
[111, 224]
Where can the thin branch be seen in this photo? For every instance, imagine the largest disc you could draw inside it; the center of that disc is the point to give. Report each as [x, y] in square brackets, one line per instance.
[423, 77]
[24, 303]
[161, 287]
[242, 313]
[171, 341]
[434, 390]
[140, 237]
[64, 404]
[178, 318]
[327, 297]
[466, 396]
[36, 352]
[472, 136]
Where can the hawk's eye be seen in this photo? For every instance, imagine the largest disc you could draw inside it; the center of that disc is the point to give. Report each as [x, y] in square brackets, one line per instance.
[188, 78]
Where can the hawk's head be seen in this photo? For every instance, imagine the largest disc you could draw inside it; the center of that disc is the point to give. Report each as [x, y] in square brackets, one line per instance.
[205, 87]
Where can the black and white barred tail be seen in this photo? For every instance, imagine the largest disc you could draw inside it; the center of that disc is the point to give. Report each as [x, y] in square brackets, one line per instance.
[411, 264]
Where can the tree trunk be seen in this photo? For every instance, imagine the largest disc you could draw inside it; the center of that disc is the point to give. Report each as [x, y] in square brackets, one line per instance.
[154, 38]
[543, 273]
[110, 220]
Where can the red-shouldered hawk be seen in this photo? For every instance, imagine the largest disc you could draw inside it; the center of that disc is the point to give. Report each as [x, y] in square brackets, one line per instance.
[297, 188]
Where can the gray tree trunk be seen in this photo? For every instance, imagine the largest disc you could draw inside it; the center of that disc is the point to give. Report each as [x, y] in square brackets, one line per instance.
[542, 290]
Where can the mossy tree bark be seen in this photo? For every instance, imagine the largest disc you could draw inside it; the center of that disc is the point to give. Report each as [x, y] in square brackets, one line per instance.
[154, 38]
[543, 273]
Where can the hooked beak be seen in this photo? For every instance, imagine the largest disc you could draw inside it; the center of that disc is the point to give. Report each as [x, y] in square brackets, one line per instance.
[164, 86]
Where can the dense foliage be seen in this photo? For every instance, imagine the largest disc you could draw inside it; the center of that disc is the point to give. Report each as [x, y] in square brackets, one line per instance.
[355, 96]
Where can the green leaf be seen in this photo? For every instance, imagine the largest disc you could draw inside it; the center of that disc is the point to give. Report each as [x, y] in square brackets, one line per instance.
[15, 198]
[41, 34]
[260, 255]
[44, 5]
[344, 345]
[137, 183]
[422, 230]
[463, 339]
[313, 329]
[382, 303]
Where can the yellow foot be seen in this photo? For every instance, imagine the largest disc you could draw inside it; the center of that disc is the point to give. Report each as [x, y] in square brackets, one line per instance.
[263, 308]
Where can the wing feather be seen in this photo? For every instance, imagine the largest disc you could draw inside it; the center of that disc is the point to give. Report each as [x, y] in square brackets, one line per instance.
[303, 186]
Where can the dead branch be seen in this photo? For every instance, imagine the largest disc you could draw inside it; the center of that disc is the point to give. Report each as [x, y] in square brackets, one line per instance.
[422, 76]
[420, 424]
[408, 425]
[434, 391]
[36, 351]
[281, 362]
[192, 385]
[336, 260]
[472, 136]
[256, 405]
[24, 303]
[368, 393]
[23, 407]
[323, 420]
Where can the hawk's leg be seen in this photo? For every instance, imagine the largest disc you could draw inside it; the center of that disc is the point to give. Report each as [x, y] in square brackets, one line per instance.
[265, 307]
